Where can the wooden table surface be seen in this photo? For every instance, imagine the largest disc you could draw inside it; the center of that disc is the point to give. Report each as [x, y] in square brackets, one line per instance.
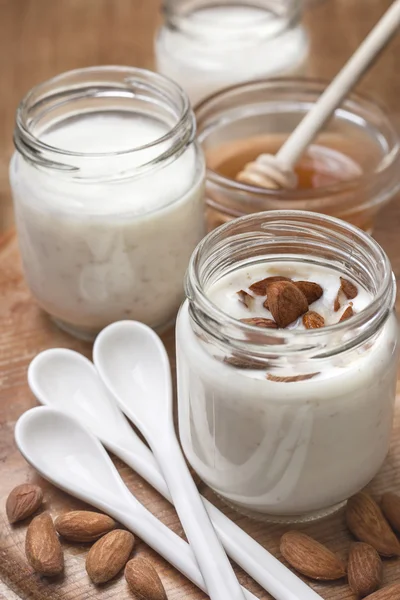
[38, 39]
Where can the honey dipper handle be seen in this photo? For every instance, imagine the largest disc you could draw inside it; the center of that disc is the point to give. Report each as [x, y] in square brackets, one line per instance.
[308, 128]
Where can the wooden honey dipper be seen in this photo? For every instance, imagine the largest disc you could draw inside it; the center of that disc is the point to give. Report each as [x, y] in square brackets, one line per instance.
[276, 171]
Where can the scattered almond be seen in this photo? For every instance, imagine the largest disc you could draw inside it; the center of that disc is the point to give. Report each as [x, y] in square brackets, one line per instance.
[83, 525]
[366, 522]
[42, 546]
[143, 580]
[23, 501]
[391, 592]
[348, 288]
[245, 298]
[391, 509]
[290, 378]
[286, 302]
[312, 320]
[109, 555]
[260, 322]
[240, 362]
[260, 287]
[312, 291]
[347, 314]
[364, 569]
[311, 558]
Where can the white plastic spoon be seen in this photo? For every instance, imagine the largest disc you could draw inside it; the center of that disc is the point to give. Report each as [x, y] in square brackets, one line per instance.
[69, 382]
[73, 459]
[133, 363]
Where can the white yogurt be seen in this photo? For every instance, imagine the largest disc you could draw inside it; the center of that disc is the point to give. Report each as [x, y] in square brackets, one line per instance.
[223, 45]
[107, 242]
[286, 449]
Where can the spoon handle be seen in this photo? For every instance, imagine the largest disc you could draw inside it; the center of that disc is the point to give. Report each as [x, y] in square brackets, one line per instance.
[254, 559]
[167, 543]
[217, 571]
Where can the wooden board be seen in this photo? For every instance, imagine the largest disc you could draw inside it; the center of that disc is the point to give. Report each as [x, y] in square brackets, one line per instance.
[38, 39]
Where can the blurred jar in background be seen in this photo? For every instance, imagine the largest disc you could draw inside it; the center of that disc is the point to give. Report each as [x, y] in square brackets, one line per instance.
[350, 171]
[206, 46]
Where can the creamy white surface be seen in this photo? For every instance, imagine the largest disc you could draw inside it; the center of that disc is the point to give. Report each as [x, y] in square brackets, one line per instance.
[286, 449]
[111, 247]
[226, 45]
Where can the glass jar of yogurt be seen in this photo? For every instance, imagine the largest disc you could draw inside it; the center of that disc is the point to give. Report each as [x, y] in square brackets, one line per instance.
[206, 46]
[108, 187]
[350, 171]
[287, 363]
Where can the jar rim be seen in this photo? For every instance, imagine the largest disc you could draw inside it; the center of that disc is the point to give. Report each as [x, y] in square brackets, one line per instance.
[97, 78]
[364, 323]
[289, 11]
[309, 84]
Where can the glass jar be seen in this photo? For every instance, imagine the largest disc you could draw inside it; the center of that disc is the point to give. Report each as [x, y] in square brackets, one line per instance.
[206, 46]
[277, 447]
[108, 187]
[356, 157]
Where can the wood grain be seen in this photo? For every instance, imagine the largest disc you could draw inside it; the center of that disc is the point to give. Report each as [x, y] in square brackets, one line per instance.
[38, 39]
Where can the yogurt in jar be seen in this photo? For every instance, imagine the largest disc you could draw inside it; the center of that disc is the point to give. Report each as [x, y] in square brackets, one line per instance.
[296, 437]
[206, 47]
[106, 228]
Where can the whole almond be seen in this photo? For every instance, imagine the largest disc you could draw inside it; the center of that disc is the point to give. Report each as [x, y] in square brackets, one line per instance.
[143, 580]
[390, 592]
[286, 302]
[348, 288]
[83, 525]
[364, 569]
[23, 501]
[312, 320]
[260, 287]
[311, 558]
[109, 555]
[312, 291]
[366, 522]
[42, 546]
[391, 509]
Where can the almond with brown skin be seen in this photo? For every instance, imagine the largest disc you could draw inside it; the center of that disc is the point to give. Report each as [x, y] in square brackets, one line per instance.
[23, 501]
[312, 291]
[366, 522]
[290, 378]
[348, 313]
[260, 287]
[240, 362]
[109, 555]
[390, 505]
[245, 298]
[83, 525]
[348, 288]
[143, 580]
[337, 304]
[364, 569]
[286, 302]
[260, 322]
[312, 320]
[390, 592]
[42, 546]
[311, 558]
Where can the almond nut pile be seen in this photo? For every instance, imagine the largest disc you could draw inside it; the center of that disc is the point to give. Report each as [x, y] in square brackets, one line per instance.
[109, 554]
[373, 527]
[288, 300]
